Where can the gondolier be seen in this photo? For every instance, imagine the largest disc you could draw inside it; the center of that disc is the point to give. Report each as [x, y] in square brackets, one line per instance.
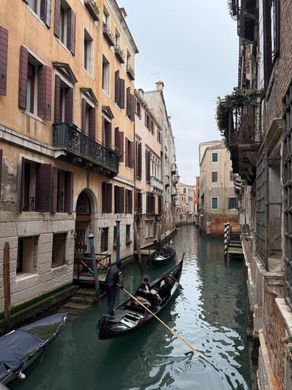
[113, 280]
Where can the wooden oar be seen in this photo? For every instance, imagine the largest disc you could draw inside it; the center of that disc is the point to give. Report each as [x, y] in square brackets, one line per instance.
[192, 349]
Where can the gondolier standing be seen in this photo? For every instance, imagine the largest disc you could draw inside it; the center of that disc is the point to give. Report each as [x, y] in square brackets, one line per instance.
[113, 280]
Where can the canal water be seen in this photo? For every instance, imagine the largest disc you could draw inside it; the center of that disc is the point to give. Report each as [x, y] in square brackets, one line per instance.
[209, 310]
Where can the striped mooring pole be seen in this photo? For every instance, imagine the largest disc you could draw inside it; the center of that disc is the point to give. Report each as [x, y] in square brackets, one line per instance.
[226, 237]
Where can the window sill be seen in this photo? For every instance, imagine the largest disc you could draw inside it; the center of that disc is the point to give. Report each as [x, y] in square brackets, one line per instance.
[34, 116]
[21, 276]
[106, 93]
[91, 75]
[64, 46]
[58, 267]
[36, 16]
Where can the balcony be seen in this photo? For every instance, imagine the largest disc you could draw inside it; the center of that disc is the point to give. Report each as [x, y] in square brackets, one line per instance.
[247, 20]
[108, 35]
[238, 121]
[156, 184]
[119, 54]
[84, 151]
[130, 72]
[92, 9]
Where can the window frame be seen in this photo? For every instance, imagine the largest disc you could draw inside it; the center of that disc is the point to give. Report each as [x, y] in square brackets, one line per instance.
[212, 157]
[105, 76]
[217, 199]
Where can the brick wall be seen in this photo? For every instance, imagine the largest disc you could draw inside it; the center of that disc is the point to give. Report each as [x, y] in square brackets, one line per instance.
[214, 223]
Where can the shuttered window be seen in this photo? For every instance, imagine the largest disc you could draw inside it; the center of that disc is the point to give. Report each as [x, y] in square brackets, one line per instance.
[119, 90]
[42, 9]
[88, 119]
[106, 133]
[214, 177]
[107, 196]
[129, 153]
[147, 165]
[119, 143]
[150, 204]
[131, 105]
[138, 201]
[65, 24]
[63, 101]
[1, 158]
[119, 200]
[129, 202]
[138, 160]
[3, 60]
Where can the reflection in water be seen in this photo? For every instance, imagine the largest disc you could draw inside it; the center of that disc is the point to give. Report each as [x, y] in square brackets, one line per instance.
[209, 311]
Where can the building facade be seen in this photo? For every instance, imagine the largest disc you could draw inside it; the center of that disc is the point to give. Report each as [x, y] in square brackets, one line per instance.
[148, 171]
[218, 203]
[67, 143]
[185, 212]
[256, 122]
[157, 106]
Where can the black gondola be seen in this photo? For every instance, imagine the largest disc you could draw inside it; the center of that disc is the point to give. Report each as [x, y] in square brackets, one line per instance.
[130, 316]
[163, 255]
[19, 348]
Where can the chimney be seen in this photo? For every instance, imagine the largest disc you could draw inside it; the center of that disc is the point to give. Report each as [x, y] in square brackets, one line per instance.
[159, 85]
[123, 12]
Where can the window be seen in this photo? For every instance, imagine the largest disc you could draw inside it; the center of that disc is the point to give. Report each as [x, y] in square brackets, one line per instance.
[63, 101]
[119, 143]
[88, 118]
[150, 204]
[138, 160]
[128, 234]
[214, 203]
[117, 39]
[119, 90]
[27, 255]
[214, 177]
[65, 25]
[107, 196]
[129, 153]
[128, 58]
[105, 17]
[63, 191]
[138, 109]
[30, 172]
[232, 203]
[35, 85]
[214, 157]
[104, 239]
[138, 201]
[59, 249]
[119, 200]
[88, 53]
[41, 9]
[129, 202]
[105, 74]
[149, 229]
[106, 133]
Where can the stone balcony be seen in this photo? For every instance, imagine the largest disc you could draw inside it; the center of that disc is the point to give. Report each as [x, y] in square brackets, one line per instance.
[79, 149]
[119, 54]
[130, 72]
[92, 9]
[156, 184]
[108, 35]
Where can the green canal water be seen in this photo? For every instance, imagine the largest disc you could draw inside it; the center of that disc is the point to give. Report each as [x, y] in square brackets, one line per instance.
[209, 310]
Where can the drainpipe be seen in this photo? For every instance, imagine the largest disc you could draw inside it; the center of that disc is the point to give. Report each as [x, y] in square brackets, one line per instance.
[93, 259]
[118, 240]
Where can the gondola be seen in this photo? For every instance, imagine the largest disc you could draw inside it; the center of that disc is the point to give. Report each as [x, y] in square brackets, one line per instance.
[20, 347]
[130, 315]
[163, 255]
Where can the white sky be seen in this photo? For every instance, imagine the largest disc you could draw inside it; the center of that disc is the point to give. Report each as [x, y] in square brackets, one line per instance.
[192, 46]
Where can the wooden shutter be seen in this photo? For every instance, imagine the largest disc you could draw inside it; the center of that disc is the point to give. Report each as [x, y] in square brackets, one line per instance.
[267, 42]
[71, 32]
[139, 160]
[147, 165]
[130, 202]
[121, 200]
[127, 152]
[121, 143]
[83, 114]
[128, 102]
[54, 196]
[103, 196]
[116, 200]
[69, 105]
[109, 197]
[122, 93]
[43, 189]
[117, 88]
[44, 92]
[117, 140]
[46, 12]
[277, 28]
[69, 192]
[132, 108]
[132, 154]
[21, 183]
[23, 72]
[1, 158]
[58, 113]
[57, 24]
[3, 60]
[92, 123]
[109, 135]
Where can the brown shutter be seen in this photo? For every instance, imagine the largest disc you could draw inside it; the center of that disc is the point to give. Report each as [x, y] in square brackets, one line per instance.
[69, 192]
[46, 12]
[69, 105]
[121, 143]
[122, 93]
[21, 182]
[132, 108]
[103, 196]
[103, 131]
[147, 165]
[23, 72]
[126, 202]
[126, 152]
[83, 114]
[45, 92]
[92, 123]
[43, 189]
[71, 32]
[139, 160]
[117, 140]
[117, 88]
[128, 102]
[58, 114]
[54, 196]
[132, 155]
[109, 197]
[130, 198]
[3, 60]
[57, 18]
[121, 200]
[109, 135]
[116, 200]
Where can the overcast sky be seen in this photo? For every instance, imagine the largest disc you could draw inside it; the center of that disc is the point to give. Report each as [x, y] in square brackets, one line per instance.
[192, 46]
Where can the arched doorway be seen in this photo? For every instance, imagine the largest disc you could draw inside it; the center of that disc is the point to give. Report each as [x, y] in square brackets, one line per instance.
[84, 208]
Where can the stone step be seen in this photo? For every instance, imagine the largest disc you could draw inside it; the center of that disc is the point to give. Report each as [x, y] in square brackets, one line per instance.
[86, 292]
[76, 306]
[80, 298]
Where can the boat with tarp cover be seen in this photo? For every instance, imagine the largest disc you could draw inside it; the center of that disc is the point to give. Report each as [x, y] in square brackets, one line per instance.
[130, 315]
[20, 347]
[163, 255]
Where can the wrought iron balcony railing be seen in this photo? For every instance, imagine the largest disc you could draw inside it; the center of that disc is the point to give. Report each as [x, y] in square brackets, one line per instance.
[84, 150]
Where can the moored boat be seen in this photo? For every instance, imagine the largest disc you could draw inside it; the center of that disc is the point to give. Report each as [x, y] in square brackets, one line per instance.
[163, 255]
[20, 347]
[130, 315]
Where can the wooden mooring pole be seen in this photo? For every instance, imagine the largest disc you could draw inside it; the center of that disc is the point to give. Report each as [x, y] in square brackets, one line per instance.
[6, 283]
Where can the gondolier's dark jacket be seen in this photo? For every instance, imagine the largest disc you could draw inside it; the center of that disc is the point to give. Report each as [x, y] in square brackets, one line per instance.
[113, 277]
